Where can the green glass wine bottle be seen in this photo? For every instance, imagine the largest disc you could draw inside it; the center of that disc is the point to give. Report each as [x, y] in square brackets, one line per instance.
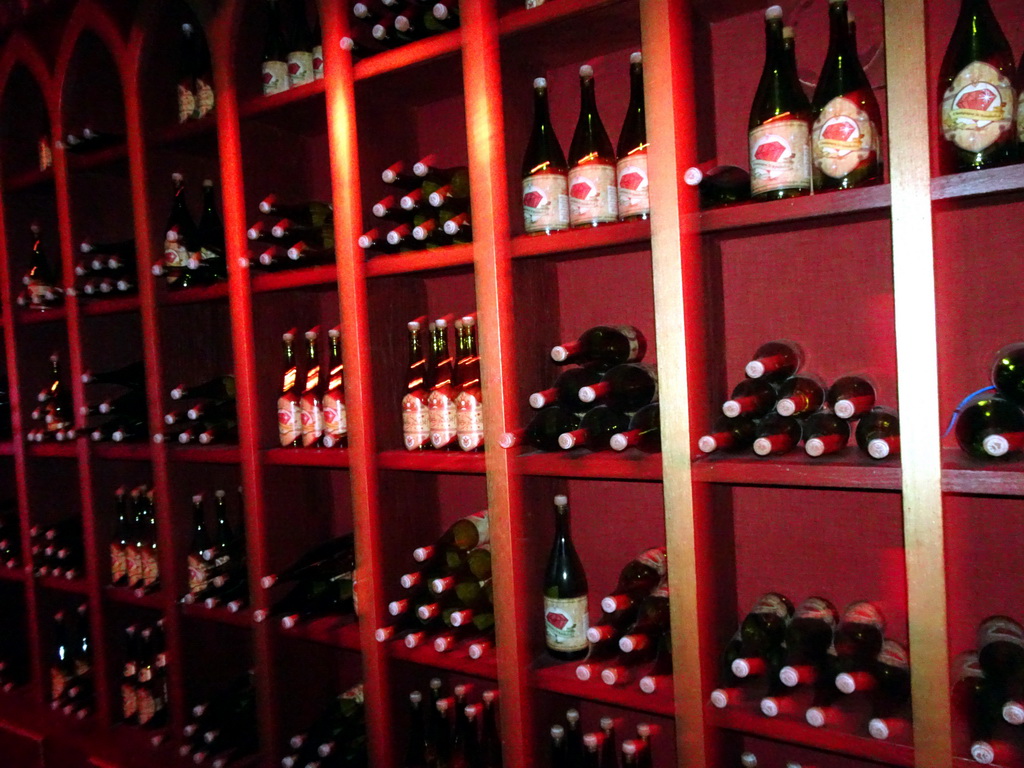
[593, 198]
[631, 167]
[545, 184]
[566, 618]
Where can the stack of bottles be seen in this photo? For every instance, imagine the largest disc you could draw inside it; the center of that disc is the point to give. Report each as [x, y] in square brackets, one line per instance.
[10, 536]
[449, 600]
[134, 563]
[381, 26]
[632, 642]
[123, 417]
[604, 398]
[837, 671]
[597, 185]
[72, 688]
[195, 74]
[750, 760]
[41, 291]
[193, 254]
[295, 234]
[293, 54]
[778, 405]
[106, 269]
[311, 409]
[322, 583]
[223, 728]
[57, 549]
[54, 409]
[217, 573]
[14, 656]
[442, 408]
[426, 207]
[144, 693]
[990, 422]
[211, 415]
[572, 747]
[453, 730]
[336, 737]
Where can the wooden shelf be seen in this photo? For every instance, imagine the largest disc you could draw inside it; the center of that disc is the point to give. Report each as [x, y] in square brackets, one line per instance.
[604, 465]
[584, 241]
[306, 457]
[454, 660]
[215, 292]
[15, 573]
[846, 469]
[961, 186]
[177, 134]
[99, 307]
[126, 596]
[63, 450]
[301, 277]
[28, 180]
[429, 260]
[562, 679]
[99, 159]
[409, 55]
[35, 317]
[525, 19]
[242, 618]
[335, 631]
[77, 586]
[260, 104]
[965, 474]
[136, 451]
[453, 462]
[213, 454]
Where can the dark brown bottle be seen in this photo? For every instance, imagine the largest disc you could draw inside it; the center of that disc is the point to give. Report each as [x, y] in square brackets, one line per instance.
[593, 198]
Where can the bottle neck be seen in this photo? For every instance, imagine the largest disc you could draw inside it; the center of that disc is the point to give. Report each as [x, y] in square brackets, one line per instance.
[588, 102]
[541, 113]
[774, 45]
[636, 87]
[563, 531]
[839, 31]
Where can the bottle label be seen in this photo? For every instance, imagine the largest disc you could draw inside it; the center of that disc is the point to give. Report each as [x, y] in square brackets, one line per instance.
[656, 559]
[566, 623]
[483, 526]
[335, 417]
[134, 560]
[634, 195]
[275, 77]
[817, 608]
[58, 682]
[118, 564]
[318, 62]
[546, 202]
[312, 419]
[300, 68]
[469, 421]
[844, 138]
[204, 97]
[145, 705]
[175, 254]
[197, 574]
[415, 423]
[442, 419]
[977, 108]
[150, 567]
[186, 104]
[534, 3]
[780, 156]
[128, 701]
[289, 421]
[45, 153]
[1000, 629]
[593, 198]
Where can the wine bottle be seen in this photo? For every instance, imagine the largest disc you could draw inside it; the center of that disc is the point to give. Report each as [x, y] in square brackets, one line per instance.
[564, 391]
[636, 580]
[335, 555]
[415, 413]
[275, 53]
[824, 433]
[779, 127]
[198, 576]
[626, 387]
[300, 49]
[208, 252]
[441, 409]
[644, 431]
[1001, 651]
[850, 397]
[858, 641]
[397, 176]
[762, 634]
[469, 412]
[544, 429]
[634, 201]
[545, 172]
[219, 387]
[573, 738]
[188, 54]
[311, 406]
[41, 289]
[335, 417]
[566, 614]
[752, 398]
[592, 193]
[625, 668]
[602, 347]
[891, 692]
[57, 409]
[203, 74]
[659, 676]
[596, 429]
[464, 534]
[181, 234]
[459, 228]
[718, 185]
[119, 544]
[132, 375]
[557, 747]
[990, 427]
[845, 138]
[800, 396]
[975, 93]
[975, 701]
[878, 433]
[777, 434]
[808, 639]
[729, 434]
[653, 621]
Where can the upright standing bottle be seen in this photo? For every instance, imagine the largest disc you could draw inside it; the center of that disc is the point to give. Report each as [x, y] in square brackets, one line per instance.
[545, 181]
[119, 544]
[593, 198]
[289, 414]
[631, 167]
[275, 53]
[335, 417]
[469, 418]
[845, 139]
[441, 402]
[208, 252]
[415, 417]
[975, 92]
[566, 617]
[779, 128]
[186, 74]
[198, 570]
[300, 51]
[181, 234]
[205, 97]
[312, 409]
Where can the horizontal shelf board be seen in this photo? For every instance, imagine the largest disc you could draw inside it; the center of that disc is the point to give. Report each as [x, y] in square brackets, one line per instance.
[181, 133]
[798, 732]
[154, 600]
[300, 277]
[455, 660]
[965, 474]
[336, 631]
[543, 15]
[420, 261]
[456, 462]
[87, 161]
[242, 618]
[28, 180]
[611, 465]
[79, 586]
[797, 209]
[562, 679]
[99, 307]
[261, 104]
[429, 48]
[213, 292]
[129, 451]
[13, 573]
[974, 183]
[306, 457]
[35, 316]
[847, 469]
[215, 454]
[52, 450]
[584, 239]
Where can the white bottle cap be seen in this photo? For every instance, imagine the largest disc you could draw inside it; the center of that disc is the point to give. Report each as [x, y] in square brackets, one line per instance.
[476, 651]
[587, 394]
[583, 672]
[537, 400]
[378, 32]
[844, 409]
[648, 684]
[450, 227]
[762, 446]
[740, 667]
[394, 238]
[572, 715]
[619, 442]
[814, 447]
[693, 176]
[364, 241]
[360, 10]
[878, 448]
[540, 82]
[995, 445]
[785, 407]
[636, 57]
[983, 753]
[748, 760]
[815, 716]
[435, 199]
[507, 440]
[610, 676]
[769, 706]
[1013, 713]
[561, 500]
[878, 729]
[719, 698]
[346, 43]
[707, 444]
[557, 731]
[419, 233]
[558, 354]
[590, 740]
[593, 633]
[789, 677]
[628, 643]
[773, 12]
[731, 408]
[586, 71]
[846, 683]
[755, 368]
[566, 441]
[440, 11]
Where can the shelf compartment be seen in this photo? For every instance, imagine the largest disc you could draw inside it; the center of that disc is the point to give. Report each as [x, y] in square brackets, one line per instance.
[335, 631]
[992, 181]
[796, 732]
[453, 661]
[420, 261]
[14, 573]
[562, 679]
[28, 180]
[125, 451]
[847, 469]
[28, 317]
[126, 596]
[79, 586]
[242, 618]
[524, 19]
[212, 454]
[260, 104]
[604, 465]
[182, 133]
[627, 233]
[964, 474]
[194, 295]
[101, 157]
[294, 278]
[455, 462]
[52, 450]
[306, 457]
[408, 55]
[96, 307]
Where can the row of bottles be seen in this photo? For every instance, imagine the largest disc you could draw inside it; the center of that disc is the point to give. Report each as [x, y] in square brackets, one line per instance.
[573, 747]
[292, 52]
[72, 688]
[57, 549]
[134, 563]
[144, 693]
[442, 407]
[195, 74]
[596, 184]
[193, 254]
[426, 206]
[106, 269]
[217, 574]
[212, 416]
[42, 290]
[311, 408]
[990, 422]
[381, 26]
[295, 234]
[453, 731]
[122, 417]
[321, 583]
[336, 737]
[223, 728]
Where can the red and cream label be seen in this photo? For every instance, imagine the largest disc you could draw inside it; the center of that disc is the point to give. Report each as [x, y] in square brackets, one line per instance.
[197, 574]
[864, 613]
[1000, 629]
[175, 254]
[566, 623]
[275, 77]
[150, 567]
[631, 176]
[546, 202]
[977, 108]
[593, 196]
[58, 682]
[186, 104]
[656, 559]
[204, 97]
[469, 421]
[415, 423]
[146, 705]
[129, 703]
[780, 156]
[772, 602]
[318, 62]
[312, 419]
[300, 68]
[843, 138]
[817, 608]
[335, 417]
[118, 564]
[133, 556]
[442, 418]
[289, 420]
[483, 526]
